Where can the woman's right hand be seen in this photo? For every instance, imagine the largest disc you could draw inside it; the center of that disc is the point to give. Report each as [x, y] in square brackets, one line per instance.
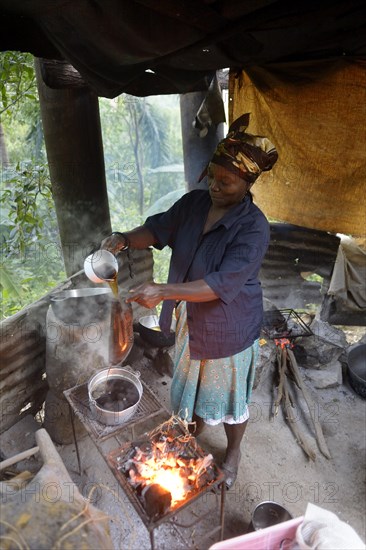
[114, 243]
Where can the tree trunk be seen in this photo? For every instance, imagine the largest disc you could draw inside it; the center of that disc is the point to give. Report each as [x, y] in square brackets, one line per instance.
[135, 140]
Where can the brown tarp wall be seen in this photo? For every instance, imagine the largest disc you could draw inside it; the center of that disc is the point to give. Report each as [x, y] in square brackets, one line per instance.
[316, 116]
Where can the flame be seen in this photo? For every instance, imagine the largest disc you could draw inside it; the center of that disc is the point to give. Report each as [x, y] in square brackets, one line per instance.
[283, 342]
[169, 471]
[170, 458]
[170, 479]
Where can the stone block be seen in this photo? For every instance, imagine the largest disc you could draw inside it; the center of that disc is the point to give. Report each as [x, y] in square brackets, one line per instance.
[328, 333]
[328, 377]
[19, 437]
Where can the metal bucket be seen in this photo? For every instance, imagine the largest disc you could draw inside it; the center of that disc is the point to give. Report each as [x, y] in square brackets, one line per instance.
[268, 513]
[113, 418]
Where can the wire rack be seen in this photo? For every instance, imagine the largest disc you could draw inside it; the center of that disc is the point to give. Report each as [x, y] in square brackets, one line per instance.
[285, 323]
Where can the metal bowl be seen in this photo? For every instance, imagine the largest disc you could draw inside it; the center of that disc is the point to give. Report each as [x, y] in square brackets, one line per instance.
[149, 331]
[356, 360]
[113, 418]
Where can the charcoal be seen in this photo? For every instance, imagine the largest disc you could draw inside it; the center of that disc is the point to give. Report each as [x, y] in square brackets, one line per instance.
[145, 447]
[156, 500]
[202, 480]
[116, 395]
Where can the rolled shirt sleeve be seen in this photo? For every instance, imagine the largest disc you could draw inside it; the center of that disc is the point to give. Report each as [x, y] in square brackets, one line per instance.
[165, 224]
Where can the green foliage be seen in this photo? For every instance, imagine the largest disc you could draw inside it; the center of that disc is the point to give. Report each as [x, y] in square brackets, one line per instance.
[313, 277]
[19, 108]
[155, 123]
[139, 134]
[27, 198]
[17, 81]
[152, 122]
[30, 260]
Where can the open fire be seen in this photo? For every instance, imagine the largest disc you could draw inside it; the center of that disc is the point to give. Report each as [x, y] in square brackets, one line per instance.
[166, 468]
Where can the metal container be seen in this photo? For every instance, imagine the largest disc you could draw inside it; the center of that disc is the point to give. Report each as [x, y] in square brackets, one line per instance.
[81, 304]
[149, 331]
[112, 418]
[101, 266]
[268, 513]
[356, 359]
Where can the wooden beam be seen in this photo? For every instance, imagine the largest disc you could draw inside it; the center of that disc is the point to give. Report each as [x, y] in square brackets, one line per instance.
[59, 74]
[74, 147]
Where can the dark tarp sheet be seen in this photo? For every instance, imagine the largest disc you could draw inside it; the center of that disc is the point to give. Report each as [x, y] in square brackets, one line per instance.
[147, 47]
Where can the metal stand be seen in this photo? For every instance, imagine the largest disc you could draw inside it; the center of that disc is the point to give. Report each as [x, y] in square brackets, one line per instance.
[149, 407]
[219, 529]
[75, 438]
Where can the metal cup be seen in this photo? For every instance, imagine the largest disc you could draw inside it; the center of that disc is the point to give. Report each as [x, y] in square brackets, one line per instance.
[100, 267]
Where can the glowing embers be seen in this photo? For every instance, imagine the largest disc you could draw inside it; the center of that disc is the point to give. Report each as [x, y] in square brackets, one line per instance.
[167, 468]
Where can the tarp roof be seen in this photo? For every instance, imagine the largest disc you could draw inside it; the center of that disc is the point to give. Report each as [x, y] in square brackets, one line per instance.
[147, 47]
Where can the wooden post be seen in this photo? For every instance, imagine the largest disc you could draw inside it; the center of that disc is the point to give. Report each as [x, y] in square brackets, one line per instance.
[73, 138]
[197, 151]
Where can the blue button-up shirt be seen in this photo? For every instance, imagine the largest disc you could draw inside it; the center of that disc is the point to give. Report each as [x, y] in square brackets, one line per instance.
[228, 257]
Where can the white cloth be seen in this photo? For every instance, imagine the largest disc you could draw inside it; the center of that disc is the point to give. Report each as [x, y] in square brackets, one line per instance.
[323, 530]
[229, 419]
[349, 275]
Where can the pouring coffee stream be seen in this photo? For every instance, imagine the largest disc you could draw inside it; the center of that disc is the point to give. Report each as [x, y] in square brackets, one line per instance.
[103, 267]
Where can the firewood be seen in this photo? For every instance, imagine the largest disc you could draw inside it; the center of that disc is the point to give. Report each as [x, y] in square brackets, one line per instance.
[18, 457]
[290, 417]
[281, 362]
[310, 403]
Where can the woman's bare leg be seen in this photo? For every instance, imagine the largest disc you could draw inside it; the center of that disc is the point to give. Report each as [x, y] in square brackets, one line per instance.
[198, 427]
[234, 434]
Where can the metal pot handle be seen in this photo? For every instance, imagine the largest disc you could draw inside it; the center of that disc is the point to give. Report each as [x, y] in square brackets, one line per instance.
[55, 298]
[137, 373]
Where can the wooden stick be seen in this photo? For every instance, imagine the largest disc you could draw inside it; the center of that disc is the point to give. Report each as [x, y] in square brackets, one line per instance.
[17, 458]
[289, 415]
[282, 367]
[310, 403]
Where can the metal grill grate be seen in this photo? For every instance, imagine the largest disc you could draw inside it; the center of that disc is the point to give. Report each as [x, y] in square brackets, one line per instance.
[285, 323]
[116, 460]
[78, 399]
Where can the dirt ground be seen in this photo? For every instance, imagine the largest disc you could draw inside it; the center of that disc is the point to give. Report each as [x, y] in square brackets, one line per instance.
[273, 466]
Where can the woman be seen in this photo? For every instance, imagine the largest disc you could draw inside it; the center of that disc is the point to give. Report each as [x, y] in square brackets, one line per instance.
[218, 239]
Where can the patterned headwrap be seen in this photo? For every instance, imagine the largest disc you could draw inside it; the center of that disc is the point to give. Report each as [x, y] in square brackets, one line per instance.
[244, 154]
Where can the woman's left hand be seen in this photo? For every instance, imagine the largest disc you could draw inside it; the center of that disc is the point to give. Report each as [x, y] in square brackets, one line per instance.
[148, 294]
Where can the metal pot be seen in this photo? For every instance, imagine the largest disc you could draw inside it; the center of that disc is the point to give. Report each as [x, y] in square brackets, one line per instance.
[112, 418]
[356, 360]
[81, 304]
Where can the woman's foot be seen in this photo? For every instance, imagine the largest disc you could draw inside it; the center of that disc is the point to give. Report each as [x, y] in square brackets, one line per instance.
[230, 467]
